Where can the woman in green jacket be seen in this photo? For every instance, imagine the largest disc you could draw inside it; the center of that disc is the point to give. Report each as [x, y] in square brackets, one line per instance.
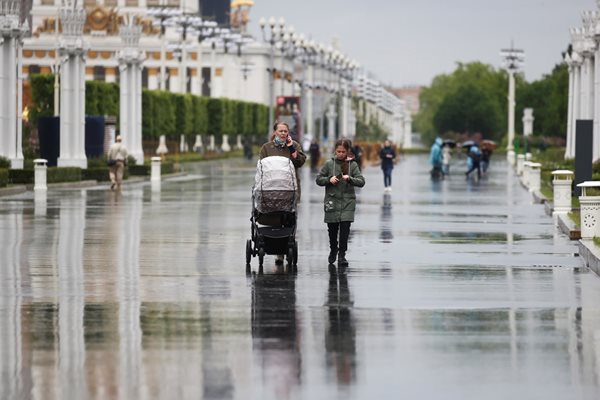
[339, 176]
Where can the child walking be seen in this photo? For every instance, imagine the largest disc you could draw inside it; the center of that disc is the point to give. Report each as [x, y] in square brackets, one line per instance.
[340, 175]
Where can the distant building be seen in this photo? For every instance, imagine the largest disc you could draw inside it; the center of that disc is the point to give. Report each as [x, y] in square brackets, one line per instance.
[410, 94]
[216, 10]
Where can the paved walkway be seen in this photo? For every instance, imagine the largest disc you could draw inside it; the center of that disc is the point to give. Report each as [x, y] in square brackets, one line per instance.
[456, 290]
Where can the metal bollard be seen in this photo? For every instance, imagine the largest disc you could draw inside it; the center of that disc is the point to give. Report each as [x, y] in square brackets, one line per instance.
[535, 176]
[590, 210]
[520, 161]
[561, 184]
[155, 169]
[40, 170]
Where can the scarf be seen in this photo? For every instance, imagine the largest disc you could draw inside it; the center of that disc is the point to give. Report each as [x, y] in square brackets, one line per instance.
[278, 142]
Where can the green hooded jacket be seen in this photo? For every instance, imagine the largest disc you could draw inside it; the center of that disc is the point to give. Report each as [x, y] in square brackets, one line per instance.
[340, 200]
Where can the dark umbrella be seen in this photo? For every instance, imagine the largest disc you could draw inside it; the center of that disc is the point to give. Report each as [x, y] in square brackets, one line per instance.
[468, 143]
[450, 143]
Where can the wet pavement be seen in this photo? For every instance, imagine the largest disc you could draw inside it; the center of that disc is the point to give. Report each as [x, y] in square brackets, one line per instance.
[456, 290]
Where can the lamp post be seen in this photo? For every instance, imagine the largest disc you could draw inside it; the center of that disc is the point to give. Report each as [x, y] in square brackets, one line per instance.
[513, 62]
[163, 15]
[272, 34]
[203, 30]
[185, 23]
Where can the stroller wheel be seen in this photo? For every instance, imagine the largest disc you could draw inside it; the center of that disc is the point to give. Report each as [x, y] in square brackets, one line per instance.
[248, 251]
[290, 256]
[261, 256]
[295, 252]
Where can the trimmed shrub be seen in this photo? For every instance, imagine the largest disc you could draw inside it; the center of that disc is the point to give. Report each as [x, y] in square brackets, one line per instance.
[3, 177]
[4, 162]
[139, 170]
[20, 176]
[167, 168]
[64, 174]
[99, 174]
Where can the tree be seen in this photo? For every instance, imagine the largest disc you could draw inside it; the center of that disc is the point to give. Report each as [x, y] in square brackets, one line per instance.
[468, 109]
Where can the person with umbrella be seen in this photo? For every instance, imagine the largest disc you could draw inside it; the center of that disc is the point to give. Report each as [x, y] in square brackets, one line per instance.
[474, 160]
[487, 147]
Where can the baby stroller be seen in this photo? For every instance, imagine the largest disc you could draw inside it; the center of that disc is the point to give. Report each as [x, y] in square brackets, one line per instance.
[273, 220]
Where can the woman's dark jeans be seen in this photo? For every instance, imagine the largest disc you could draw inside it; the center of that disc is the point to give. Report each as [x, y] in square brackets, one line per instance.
[387, 177]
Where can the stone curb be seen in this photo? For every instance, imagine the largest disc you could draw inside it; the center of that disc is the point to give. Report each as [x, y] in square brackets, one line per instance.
[9, 191]
[538, 197]
[568, 227]
[590, 253]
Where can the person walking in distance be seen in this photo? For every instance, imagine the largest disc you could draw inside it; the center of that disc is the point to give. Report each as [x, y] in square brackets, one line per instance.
[339, 176]
[117, 157]
[315, 155]
[387, 154]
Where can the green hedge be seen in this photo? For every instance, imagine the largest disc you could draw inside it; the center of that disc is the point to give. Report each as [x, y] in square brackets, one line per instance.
[63, 174]
[139, 170]
[3, 177]
[20, 176]
[4, 162]
[163, 113]
[167, 168]
[99, 174]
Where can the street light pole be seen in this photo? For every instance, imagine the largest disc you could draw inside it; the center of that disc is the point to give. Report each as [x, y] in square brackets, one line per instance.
[274, 35]
[163, 15]
[513, 61]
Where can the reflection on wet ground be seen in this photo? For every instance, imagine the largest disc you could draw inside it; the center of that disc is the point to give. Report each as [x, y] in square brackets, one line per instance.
[455, 289]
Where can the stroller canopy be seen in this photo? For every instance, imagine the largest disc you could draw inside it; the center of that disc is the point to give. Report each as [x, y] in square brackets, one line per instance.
[275, 185]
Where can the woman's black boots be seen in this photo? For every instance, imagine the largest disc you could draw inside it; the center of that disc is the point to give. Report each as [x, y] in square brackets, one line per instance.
[332, 255]
[333, 242]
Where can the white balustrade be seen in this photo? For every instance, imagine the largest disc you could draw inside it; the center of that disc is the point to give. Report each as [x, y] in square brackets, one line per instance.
[590, 210]
[562, 183]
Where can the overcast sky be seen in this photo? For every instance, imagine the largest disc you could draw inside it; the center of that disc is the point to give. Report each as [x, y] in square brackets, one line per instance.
[406, 42]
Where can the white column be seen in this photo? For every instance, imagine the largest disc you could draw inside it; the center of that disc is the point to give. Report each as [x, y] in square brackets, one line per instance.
[576, 103]
[585, 89]
[11, 32]
[511, 109]
[345, 103]
[72, 89]
[310, 122]
[153, 82]
[570, 133]
[595, 112]
[17, 162]
[130, 60]
[407, 130]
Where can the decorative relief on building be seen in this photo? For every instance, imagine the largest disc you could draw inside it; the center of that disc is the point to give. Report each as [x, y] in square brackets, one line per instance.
[99, 20]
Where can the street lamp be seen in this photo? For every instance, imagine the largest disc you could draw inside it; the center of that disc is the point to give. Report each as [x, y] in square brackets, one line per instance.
[203, 30]
[162, 15]
[185, 23]
[272, 34]
[513, 62]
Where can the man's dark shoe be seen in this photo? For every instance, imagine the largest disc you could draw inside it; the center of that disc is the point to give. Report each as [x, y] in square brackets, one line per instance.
[342, 260]
[332, 256]
[279, 260]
